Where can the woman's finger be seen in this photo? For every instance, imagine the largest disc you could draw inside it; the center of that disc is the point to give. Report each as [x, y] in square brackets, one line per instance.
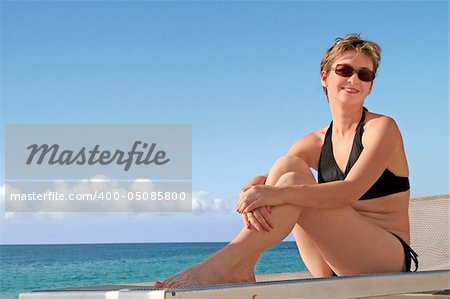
[242, 203]
[254, 222]
[242, 207]
[252, 206]
[245, 220]
[266, 214]
[239, 203]
[243, 198]
[260, 218]
[238, 207]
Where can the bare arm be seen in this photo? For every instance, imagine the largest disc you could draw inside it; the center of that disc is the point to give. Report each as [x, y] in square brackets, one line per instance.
[382, 139]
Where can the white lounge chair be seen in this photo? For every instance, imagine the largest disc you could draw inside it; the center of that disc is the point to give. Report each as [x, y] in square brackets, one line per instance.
[430, 238]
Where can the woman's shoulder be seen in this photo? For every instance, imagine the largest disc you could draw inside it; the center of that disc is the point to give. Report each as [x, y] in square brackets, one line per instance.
[378, 118]
[379, 126]
[376, 122]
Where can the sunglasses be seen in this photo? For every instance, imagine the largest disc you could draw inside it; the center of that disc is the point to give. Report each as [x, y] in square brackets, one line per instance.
[346, 70]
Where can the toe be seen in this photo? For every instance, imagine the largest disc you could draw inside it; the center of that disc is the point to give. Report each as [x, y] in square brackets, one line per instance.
[173, 284]
[158, 284]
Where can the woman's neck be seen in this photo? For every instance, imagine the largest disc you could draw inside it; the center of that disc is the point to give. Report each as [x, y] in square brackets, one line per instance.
[345, 119]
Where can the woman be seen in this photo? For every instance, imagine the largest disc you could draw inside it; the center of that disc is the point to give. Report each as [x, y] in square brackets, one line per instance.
[354, 220]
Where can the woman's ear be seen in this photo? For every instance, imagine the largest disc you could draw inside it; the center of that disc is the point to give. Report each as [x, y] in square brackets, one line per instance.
[323, 78]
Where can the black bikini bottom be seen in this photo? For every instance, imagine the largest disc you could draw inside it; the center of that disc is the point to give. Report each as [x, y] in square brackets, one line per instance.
[410, 255]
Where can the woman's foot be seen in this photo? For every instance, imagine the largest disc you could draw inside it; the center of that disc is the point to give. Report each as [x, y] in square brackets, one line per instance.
[204, 275]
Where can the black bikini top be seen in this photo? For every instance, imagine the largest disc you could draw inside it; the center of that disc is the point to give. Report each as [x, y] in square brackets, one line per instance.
[329, 171]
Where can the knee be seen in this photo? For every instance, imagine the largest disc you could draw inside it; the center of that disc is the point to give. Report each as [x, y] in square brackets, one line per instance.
[288, 163]
[293, 170]
[293, 178]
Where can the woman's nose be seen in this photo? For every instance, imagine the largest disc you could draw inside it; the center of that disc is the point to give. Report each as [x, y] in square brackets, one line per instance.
[353, 77]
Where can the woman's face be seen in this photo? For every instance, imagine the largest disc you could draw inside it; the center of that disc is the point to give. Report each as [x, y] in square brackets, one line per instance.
[348, 89]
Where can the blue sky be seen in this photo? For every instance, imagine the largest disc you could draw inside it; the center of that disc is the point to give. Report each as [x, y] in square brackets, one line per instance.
[244, 74]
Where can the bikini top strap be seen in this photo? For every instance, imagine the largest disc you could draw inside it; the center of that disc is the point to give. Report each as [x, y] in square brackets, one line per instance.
[357, 146]
[363, 118]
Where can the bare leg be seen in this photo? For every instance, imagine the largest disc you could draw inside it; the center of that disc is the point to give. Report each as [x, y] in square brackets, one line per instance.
[317, 266]
[338, 239]
[237, 259]
[246, 245]
[308, 250]
[311, 256]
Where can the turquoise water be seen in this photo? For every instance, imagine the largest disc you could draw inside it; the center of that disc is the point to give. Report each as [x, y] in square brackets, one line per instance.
[32, 267]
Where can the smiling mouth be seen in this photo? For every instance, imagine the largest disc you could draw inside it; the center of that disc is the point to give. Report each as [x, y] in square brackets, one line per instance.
[350, 89]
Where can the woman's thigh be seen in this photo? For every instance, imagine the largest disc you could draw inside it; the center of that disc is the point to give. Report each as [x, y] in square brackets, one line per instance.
[310, 255]
[349, 243]
[282, 174]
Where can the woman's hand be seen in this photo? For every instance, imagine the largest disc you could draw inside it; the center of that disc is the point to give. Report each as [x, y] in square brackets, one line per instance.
[258, 196]
[260, 218]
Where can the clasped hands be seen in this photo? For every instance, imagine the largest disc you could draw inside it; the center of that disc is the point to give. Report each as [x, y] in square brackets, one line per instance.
[255, 204]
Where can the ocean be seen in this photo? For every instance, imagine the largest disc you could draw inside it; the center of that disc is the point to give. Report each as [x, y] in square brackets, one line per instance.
[33, 267]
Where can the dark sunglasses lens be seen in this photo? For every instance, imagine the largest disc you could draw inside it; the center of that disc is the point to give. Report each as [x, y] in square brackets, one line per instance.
[366, 75]
[344, 70]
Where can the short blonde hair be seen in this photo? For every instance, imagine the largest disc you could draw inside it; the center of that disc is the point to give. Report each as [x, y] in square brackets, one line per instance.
[352, 42]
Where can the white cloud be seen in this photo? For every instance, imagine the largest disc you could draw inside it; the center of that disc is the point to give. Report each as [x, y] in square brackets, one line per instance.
[6, 215]
[203, 201]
